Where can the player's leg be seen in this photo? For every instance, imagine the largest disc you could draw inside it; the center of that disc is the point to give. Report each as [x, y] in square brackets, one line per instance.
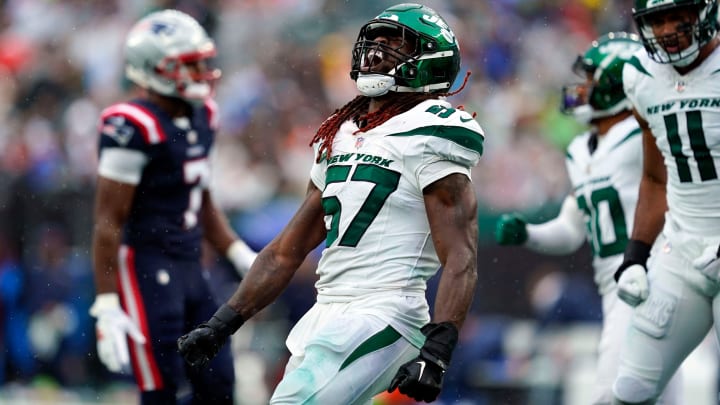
[347, 361]
[616, 320]
[213, 384]
[152, 294]
[665, 328]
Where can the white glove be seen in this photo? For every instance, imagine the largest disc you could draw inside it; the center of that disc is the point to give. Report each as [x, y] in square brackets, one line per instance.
[708, 263]
[112, 328]
[633, 285]
[241, 256]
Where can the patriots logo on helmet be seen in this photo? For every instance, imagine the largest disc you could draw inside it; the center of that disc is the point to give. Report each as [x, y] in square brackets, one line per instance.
[159, 27]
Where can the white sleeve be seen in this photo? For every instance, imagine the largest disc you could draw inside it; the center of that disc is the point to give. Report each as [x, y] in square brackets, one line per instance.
[122, 165]
[435, 171]
[560, 236]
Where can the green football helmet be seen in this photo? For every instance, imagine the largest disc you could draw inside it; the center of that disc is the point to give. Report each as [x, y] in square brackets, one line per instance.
[603, 61]
[158, 50]
[431, 66]
[701, 31]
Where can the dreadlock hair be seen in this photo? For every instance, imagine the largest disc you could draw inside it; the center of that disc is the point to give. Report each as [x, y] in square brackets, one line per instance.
[357, 108]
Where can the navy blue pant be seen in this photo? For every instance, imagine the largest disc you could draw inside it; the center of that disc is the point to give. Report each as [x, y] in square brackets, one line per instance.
[168, 298]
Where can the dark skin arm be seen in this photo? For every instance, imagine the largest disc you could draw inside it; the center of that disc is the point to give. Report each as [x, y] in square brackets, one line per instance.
[451, 207]
[112, 207]
[652, 204]
[216, 229]
[276, 264]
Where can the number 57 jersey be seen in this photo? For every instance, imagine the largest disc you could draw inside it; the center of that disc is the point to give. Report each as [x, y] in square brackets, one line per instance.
[378, 235]
[683, 113]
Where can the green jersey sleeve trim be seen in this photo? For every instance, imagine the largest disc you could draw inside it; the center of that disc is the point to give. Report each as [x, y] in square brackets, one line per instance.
[634, 61]
[459, 135]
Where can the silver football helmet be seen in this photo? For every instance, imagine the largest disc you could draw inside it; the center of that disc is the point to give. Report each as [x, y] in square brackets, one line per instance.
[168, 52]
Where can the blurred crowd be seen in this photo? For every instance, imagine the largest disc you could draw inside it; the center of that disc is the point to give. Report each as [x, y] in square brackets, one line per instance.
[285, 69]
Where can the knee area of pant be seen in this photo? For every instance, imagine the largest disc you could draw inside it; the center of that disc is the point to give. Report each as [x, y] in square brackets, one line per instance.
[633, 391]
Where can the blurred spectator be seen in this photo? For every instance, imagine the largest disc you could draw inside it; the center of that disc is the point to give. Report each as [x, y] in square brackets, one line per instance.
[16, 359]
[59, 292]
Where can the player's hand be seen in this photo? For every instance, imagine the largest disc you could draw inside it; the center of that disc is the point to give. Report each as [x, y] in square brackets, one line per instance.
[202, 344]
[633, 285]
[421, 378]
[511, 229]
[709, 263]
[112, 327]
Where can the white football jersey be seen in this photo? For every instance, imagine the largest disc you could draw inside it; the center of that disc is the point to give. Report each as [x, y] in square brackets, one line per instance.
[683, 112]
[605, 184]
[378, 236]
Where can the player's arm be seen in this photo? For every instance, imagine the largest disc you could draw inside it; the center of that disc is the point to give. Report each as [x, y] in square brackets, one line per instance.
[560, 236]
[451, 208]
[113, 200]
[652, 203]
[222, 237]
[633, 287]
[277, 262]
[269, 275]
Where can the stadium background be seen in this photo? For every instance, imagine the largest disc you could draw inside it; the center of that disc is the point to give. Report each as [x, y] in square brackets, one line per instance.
[531, 336]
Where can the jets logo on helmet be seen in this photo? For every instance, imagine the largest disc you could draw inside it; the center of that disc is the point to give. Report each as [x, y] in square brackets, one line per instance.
[168, 52]
[431, 65]
[601, 94]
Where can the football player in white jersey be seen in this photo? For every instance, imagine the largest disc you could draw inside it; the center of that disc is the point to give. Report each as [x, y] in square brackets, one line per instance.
[674, 88]
[605, 172]
[391, 195]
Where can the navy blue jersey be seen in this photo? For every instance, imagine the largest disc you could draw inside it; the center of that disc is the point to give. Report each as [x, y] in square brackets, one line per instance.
[167, 159]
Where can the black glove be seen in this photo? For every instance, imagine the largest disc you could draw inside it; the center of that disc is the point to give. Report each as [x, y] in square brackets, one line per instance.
[421, 379]
[202, 343]
[636, 252]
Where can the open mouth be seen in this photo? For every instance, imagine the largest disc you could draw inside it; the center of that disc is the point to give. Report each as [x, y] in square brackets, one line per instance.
[671, 43]
[671, 47]
[373, 58]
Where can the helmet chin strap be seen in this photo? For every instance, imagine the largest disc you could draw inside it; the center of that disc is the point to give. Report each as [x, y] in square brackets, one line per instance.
[196, 93]
[584, 114]
[374, 85]
[691, 54]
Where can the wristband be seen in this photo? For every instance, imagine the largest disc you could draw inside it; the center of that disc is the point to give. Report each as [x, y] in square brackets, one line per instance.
[440, 341]
[241, 256]
[226, 320]
[636, 252]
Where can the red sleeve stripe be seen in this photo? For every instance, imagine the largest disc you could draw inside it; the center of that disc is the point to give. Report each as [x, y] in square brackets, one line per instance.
[213, 116]
[149, 126]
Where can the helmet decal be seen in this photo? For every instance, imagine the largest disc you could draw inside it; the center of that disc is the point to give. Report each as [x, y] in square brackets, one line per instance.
[601, 93]
[168, 52]
[428, 60]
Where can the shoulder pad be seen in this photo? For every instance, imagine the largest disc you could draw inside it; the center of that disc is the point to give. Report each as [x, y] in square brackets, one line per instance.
[144, 120]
